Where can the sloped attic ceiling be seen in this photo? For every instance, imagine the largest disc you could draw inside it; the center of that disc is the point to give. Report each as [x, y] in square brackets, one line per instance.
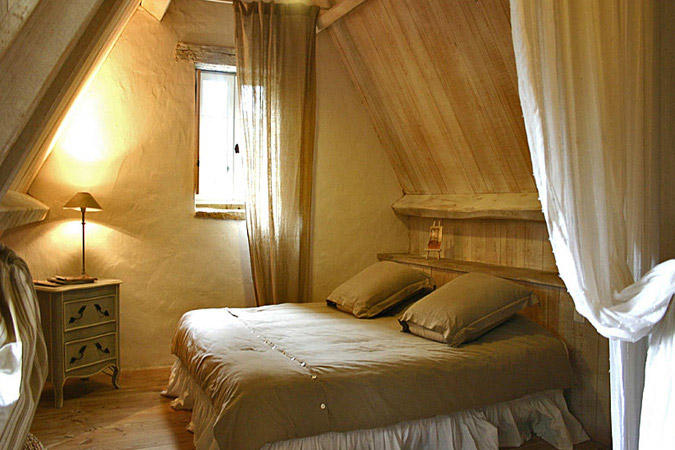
[48, 49]
[438, 78]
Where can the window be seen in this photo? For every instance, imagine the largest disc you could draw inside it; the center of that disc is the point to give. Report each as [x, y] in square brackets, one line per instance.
[219, 174]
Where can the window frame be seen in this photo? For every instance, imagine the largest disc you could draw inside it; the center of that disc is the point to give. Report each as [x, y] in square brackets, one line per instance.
[210, 210]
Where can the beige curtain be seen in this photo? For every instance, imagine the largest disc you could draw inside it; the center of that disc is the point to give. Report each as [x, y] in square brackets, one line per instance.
[590, 93]
[275, 47]
[23, 354]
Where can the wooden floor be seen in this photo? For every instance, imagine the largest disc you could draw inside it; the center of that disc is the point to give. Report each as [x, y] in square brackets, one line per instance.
[97, 416]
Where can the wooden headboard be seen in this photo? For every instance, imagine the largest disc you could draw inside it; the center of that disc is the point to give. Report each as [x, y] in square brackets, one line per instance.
[589, 352]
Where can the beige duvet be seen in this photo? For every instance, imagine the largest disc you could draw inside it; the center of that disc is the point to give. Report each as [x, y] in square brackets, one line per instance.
[295, 370]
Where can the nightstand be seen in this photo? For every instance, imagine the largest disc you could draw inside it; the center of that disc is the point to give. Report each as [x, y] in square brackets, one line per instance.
[81, 328]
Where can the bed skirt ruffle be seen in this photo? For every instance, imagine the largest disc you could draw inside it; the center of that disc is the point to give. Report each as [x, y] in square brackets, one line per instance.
[506, 424]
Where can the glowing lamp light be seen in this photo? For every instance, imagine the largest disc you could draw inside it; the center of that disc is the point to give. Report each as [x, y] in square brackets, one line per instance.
[83, 201]
[84, 136]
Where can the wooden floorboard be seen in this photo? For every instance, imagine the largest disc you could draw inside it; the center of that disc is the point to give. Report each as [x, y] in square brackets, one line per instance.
[97, 416]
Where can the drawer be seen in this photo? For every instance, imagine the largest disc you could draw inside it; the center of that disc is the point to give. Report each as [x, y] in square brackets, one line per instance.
[90, 292]
[83, 313]
[90, 351]
[77, 334]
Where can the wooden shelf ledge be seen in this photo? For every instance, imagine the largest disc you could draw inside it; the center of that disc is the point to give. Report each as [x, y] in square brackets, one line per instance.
[515, 206]
[510, 273]
[18, 209]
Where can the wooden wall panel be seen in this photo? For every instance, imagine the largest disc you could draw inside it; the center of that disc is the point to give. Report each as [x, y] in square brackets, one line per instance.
[525, 244]
[589, 352]
[439, 81]
[510, 243]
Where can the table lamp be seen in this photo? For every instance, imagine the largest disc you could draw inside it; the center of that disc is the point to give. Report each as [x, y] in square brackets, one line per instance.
[84, 202]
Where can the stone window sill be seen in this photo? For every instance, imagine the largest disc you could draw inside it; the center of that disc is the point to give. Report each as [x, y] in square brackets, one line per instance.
[220, 212]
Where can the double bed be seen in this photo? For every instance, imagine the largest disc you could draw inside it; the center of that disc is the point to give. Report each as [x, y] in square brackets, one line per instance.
[305, 376]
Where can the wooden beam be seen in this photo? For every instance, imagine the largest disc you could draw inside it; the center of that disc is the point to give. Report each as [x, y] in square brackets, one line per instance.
[12, 19]
[41, 86]
[323, 4]
[25, 74]
[337, 12]
[156, 8]
[205, 55]
[19, 209]
[515, 206]
[510, 273]
[329, 14]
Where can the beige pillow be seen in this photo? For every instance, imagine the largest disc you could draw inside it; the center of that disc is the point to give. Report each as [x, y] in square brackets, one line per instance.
[379, 287]
[466, 308]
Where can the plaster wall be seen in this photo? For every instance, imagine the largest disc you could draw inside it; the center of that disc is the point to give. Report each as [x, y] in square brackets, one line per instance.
[129, 140]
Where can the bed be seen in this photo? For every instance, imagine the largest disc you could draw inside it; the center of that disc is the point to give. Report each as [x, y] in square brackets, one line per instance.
[298, 376]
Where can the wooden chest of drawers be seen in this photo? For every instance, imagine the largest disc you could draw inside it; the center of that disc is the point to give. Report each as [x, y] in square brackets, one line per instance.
[81, 328]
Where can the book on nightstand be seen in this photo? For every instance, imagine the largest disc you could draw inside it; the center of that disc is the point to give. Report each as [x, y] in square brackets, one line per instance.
[64, 281]
[79, 279]
[46, 283]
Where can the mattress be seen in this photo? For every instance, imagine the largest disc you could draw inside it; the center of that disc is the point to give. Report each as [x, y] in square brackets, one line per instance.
[291, 371]
[506, 424]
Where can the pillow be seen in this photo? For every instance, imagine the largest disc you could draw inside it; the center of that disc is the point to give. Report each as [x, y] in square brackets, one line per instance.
[378, 287]
[466, 308]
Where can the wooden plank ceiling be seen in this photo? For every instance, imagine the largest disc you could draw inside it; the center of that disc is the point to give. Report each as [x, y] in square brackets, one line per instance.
[439, 81]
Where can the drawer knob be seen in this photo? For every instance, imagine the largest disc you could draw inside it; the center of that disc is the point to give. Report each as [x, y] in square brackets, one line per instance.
[80, 311]
[100, 348]
[81, 352]
[101, 311]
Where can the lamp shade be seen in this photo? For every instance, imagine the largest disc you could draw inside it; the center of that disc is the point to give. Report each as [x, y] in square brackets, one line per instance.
[83, 200]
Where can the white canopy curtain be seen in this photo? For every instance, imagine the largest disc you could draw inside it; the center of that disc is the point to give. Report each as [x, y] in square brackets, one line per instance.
[23, 354]
[589, 95]
[276, 74]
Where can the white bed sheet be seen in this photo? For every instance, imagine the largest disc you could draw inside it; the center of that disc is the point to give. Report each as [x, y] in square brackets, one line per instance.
[506, 424]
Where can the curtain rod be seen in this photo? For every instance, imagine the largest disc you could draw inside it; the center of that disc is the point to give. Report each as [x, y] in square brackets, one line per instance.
[229, 2]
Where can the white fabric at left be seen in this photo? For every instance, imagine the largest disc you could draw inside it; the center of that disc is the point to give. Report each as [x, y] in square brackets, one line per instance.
[23, 355]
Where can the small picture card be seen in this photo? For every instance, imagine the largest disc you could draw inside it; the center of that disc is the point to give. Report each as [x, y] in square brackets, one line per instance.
[435, 244]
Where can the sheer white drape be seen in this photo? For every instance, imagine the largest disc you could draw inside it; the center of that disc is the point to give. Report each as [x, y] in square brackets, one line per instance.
[589, 93]
[23, 354]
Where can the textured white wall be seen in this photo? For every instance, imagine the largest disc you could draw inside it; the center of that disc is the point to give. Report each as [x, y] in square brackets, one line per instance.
[354, 183]
[129, 141]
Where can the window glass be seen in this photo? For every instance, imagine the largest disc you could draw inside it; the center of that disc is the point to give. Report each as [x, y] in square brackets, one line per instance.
[221, 179]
